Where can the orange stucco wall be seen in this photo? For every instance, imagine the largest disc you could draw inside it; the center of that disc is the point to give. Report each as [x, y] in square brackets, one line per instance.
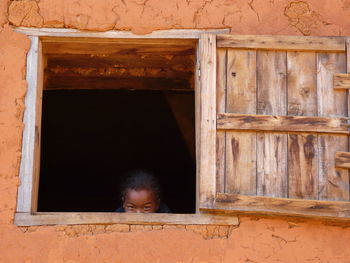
[255, 240]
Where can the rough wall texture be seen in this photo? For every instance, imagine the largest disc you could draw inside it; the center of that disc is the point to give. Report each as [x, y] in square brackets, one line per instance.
[255, 240]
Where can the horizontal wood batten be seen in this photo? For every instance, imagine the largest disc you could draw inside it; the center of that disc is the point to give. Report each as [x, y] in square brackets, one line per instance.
[281, 206]
[342, 160]
[231, 121]
[27, 219]
[301, 43]
[100, 83]
[173, 33]
[341, 81]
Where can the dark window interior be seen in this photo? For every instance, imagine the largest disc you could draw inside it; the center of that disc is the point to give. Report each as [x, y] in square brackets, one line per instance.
[92, 137]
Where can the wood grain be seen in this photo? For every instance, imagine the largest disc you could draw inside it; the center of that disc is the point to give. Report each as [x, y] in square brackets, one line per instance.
[129, 60]
[241, 98]
[26, 219]
[221, 67]
[63, 34]
[207, 53]
[342, 160]
[282, 42]
[341, 81]
[281, 206]
[333, 182]
[302, 148]
[231, 121]
[28, 161]
[302, 89]
[98, 47]
[271, 147]
[107, 83]
[302, 166]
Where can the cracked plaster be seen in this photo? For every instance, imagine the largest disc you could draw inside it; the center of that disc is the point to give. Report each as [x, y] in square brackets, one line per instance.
[255, 240]
[144, 16]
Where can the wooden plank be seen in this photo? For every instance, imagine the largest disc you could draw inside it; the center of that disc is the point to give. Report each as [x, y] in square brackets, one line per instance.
[341, 81]
[302, 148]
[342, 160]
[96, 48]
[207, 47]
[97, 83]
[197, 95]
[26, 219]
[241, 163]
[281, 206]
[38, 114]
[333, 182]
[302, 89]
[231, 121]
[241, 81]
[74, 33]
[347, 49]
[118, 72]
[221, 107]
[302, 166]
[271, 147]
[301, 43]
[241, 98]
[26, 174]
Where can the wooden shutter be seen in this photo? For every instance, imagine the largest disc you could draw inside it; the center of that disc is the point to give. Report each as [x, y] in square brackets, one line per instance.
[274, 117]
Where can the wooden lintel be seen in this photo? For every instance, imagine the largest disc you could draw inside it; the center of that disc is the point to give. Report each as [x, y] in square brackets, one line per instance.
[301, 43]
[26, 219]
[281, 206]
[99, 83]
[342, 160]
[158, 34]
[117, 72]
[341, 81]
[231, 121]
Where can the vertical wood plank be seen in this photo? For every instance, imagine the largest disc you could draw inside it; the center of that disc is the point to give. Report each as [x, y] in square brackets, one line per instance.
[302, 91]
[241, 146]
[333, 182]
[347, 50]
[271, 147]
[302, 148]
[37, 143]
[197, 92]
[24, 196]
[221, 107]
[302, 166]
[208, 119]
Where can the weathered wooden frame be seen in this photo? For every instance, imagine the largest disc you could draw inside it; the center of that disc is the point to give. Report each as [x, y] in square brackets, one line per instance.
[26, 213]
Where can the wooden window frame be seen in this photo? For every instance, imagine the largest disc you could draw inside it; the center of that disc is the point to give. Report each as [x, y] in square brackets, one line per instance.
[26, 212]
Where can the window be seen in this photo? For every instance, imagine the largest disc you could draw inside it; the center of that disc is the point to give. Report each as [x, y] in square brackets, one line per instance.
[271, 131]
[101, 86]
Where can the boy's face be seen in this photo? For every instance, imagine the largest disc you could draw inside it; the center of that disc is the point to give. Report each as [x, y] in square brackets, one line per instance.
[140, 201]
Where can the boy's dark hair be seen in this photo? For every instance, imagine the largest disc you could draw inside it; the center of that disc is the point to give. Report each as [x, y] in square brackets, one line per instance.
[141, 179]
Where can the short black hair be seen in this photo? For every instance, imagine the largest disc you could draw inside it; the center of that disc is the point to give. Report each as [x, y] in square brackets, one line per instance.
[141, 179]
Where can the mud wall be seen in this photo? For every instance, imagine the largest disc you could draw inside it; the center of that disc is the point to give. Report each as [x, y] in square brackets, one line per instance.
[256, 239]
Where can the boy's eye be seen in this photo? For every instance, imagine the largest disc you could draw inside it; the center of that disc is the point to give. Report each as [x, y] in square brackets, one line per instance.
[147, 208]
[130, 207]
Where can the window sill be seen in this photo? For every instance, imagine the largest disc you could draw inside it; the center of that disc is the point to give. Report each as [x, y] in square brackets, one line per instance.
[70, 218]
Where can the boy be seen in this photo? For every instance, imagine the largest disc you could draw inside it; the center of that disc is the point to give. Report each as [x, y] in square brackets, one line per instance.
[141, 193]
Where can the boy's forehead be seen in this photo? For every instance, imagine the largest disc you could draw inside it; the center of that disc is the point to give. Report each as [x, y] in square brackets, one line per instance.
[140, 194]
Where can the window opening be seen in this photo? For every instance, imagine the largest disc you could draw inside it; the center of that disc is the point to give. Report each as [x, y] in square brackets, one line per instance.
[111, 108]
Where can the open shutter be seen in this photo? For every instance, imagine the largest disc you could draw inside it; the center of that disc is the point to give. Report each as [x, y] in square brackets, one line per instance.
[273, 121]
